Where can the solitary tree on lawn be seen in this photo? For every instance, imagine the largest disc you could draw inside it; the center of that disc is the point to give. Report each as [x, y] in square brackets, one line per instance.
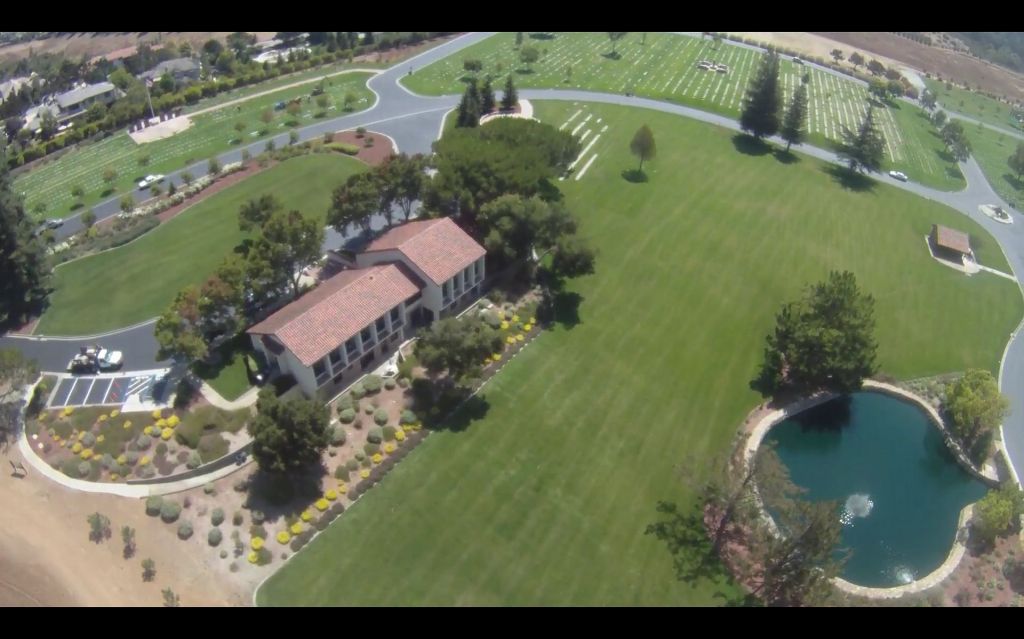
[615, 36]
[762, 107]
[856, 60]
[643, 145]
[956, 141]
[529, 54]
[1016, 161]
[793, 129]
[864, 149]
[837, 55]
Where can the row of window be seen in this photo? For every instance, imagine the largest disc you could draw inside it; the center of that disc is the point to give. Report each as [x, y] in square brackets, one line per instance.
[367, 338]
[470, 276]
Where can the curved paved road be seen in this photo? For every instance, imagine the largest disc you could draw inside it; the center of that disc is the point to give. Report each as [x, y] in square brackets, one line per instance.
[414, 122]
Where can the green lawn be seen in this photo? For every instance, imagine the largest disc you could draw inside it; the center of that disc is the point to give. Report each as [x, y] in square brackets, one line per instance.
[229, 376]
[211, 134]
[544, 500]
[137, 281]
[665, 69]
[977, 106]
[992, 149]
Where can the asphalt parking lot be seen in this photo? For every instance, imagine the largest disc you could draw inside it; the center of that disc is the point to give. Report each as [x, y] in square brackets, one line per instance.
[105, 390]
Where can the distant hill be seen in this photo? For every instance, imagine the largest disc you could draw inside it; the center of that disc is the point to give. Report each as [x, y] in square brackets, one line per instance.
[1005, 48]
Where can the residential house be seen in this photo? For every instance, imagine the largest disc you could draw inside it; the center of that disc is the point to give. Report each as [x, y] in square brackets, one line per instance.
[78, 100]
[183, 70]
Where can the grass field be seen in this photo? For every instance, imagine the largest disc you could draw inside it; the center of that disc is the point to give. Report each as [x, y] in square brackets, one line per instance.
[992, 149]
[977, 106]
[228, 376]
[665, 69]
[137, 281]
[544, 500]
[211, 133]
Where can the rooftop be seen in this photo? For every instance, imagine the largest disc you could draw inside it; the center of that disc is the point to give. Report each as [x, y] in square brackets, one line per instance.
[956, 240]
[74, 96]
[438, 247]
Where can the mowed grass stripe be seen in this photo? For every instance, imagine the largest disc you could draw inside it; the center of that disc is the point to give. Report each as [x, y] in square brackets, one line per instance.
[544, 500]
[139, 280]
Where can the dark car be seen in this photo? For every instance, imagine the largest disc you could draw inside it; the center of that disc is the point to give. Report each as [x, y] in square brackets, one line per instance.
[279, 106]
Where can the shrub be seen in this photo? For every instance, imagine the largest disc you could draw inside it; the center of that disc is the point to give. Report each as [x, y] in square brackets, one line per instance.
[352, 465]
[297, 544]
[185, 530]
[375, 436]
[322, 524]
[88, 440]
[358, 424]
[369, 408]
[161, 448]
[389, 433]
[169, 511]
[341, 472]
[217, 516]
[372, 384]
[212, 446]
[84, 468]
[403, 382]
[142, 442]
[338, 436]
[341, 147]
[153, 505]
[194, 460]
[257, 516]
[347, 416]
[237, 519]
[132, 457]
[209, 489]
[347, 402]
[380, 416]
[371, 449]
[389, 384]
[358, 391]
[360, 456]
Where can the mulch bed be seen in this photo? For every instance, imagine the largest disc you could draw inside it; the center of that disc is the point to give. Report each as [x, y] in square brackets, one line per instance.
[374, 155]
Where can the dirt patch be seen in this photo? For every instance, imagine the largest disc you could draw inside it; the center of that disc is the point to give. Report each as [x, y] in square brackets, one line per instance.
[382, 148]
[92, 44]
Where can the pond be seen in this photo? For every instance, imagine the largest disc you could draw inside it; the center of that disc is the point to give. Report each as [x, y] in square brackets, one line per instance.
[900, 488]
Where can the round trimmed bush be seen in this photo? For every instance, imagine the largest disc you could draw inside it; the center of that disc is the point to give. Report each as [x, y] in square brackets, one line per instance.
[375, 436]
[296, 544]
[217, 516]
[372, 384]
[360, 456]
[369, 408]
[161, 448]
[214, 537]
[347, 416]
[237, 519]
[257, 517]
[346, 401]
[389, 383]
[194, 460]
[380, 416]
[132, 457]
[389, 433]
[142, 442]
[84, 468]
[341, 472]
[169, 511]
[358, 391]
[108, 462]
[403, 382]
[88, 440]
[408, 417]
[352, 465]
[153, 505]
[184, 530]
[338, 436]
[371, 449]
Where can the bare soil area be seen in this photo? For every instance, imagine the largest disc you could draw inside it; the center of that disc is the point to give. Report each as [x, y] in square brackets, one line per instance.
[95, 44]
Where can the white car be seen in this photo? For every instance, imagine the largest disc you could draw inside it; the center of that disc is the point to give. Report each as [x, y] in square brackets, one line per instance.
[109, 360]
[150, 180]
[898, 175]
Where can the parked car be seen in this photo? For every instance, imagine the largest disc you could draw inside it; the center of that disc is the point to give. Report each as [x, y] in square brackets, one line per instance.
[797, 61]
[279, 106]
[95, 359]
[54, 223]
[898, 175]
[150, 180]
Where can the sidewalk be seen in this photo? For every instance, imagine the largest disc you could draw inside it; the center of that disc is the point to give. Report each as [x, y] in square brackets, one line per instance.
[247, 399]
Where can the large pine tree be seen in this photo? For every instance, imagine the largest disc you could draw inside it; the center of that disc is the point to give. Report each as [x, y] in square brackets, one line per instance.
[793, 131]
[762, 107]
[24, 268]
[865, 148]
[469, 107]
[511, 97]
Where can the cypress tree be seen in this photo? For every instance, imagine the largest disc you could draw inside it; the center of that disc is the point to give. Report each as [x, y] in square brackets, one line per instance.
[762, 107]
[24, 268]
[487, 101]
[865, 148]
[511, 98]
[793, 126]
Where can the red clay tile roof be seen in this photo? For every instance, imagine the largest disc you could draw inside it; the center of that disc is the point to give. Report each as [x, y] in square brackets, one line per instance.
[323, 319]
[438, 247]
[956, 240]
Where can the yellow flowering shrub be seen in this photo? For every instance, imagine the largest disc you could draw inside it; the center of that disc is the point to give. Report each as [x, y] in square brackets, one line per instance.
[122, 459]
[533, 320]
[114, 413]
[86, 454]
[166, 433]
[102, 418]
[527, 327]
[331, 494]
[157, 413]
[148, 430]
[400, 434]
[377, 458]
[520, 337]
[144, 460]
[77, 448]
[321, 504]
[160, 424]
[256, 543]
[496, 357]
[80, 434]
[306, 515]
[68, 410]
[515, 318]
[296, 528]
[389, 447]
[342, 488]
[510, 339]
[254, 557]
[283, 537]
[504, 325]
[114, 477]
[101, 438]
[364, 473]
[173, 421]
[127, 424]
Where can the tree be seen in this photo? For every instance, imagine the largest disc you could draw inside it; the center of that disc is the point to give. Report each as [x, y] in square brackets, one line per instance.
[573, 257]
[528, 55]
[349, 100]
[222, 295]
[88, 219]
[24, 266]
[179, 330]
[614, 37]
[519, 39]
[762, 106]
[876, 67]
[514, 226]
[293, 137]
[171, 600]
[823, 341]
[99, 527]
[1016, 161]
[879, 88]
[143, 159]
[254, 213]
[48, 125]
[837, 55]
[267, 116]
[956, 141]
[997, 513]
[510, 98]
[288, 435]
[928, 100]
[213, 166]
[793, 126]
[187, 178]
[643, 145]
[487, 100]
[127, 203]
[77, 191]
[865, 148]
[472, 66]
[939, 119]
[354, 202]
[293, 108]
[856, 60]
[288, 242]
[128, 537]
[148, 569]
[16, 372]
[456, 347]
[469, 107]
[109, 177]
[323, 101]
[976, 408]
[895, 88]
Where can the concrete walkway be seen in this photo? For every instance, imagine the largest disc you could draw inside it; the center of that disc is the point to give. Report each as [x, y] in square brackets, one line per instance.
[245, 400]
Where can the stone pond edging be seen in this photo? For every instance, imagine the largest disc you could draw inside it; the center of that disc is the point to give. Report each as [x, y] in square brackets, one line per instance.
[956, 553]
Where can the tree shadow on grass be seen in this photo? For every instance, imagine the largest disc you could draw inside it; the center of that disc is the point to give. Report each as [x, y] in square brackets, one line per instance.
[636, 176]
[786, 157]
[524, 71]
[687, 541]
[76, 206]
[474, 409]
[542, 36]
[566, 308]
[612, 55]
[749, 145]
[223, 356]
[851, 180]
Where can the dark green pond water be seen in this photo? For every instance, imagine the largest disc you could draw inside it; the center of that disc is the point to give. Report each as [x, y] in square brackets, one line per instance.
[900, 488]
